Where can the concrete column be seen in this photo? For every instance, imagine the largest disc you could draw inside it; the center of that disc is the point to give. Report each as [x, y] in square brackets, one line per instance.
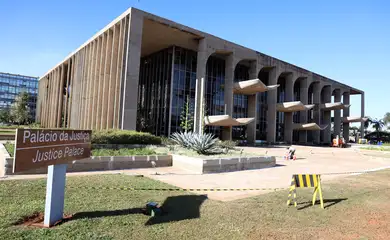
[130, 88]
[60, 95]
[337, 114]
[112, 81]
[106, 81]
[118, 77]
[288, 116]
[201, 63]
[362, 115]
[327, 116]
[271, 102]
[317, 112]
[303, 92]
[252, 106]
[228, 98]
[66, 95]
[346, 99]
[100, 82]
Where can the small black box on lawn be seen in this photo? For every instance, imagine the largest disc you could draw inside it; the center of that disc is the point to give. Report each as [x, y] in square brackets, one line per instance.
[153, 209]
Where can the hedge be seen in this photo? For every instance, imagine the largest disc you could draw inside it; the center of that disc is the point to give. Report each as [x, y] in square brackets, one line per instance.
[124, 137]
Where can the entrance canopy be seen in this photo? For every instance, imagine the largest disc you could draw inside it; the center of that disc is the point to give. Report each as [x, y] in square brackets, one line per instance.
[334, 106]
[354, 119]
[293, 107]
[250, 87]
[308, 126]
[226, 121]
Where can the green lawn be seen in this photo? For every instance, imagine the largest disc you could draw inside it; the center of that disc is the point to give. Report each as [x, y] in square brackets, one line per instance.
[376, 148]
[123, 152]
[7, 132]
[188, 152]
[358, 208]
[10, 147]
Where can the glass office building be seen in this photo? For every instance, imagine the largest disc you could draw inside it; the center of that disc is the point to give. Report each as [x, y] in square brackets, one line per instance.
[12, 84]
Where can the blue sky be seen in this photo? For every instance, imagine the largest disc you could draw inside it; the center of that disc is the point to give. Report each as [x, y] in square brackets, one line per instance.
[348, 41]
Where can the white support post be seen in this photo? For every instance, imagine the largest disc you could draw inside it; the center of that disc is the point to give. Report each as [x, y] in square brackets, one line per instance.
[55, 193]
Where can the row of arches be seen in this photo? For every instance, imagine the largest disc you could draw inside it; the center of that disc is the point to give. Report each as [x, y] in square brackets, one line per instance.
[300, 89]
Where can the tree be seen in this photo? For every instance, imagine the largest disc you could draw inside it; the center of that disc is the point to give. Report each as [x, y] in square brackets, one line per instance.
[20, 111]
[377, 124]
[4, 116]
[353, 131]
[187, 116]
[386, 118]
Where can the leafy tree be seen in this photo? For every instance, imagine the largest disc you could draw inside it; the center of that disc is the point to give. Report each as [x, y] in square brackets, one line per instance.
[353, 131]
[386, 118]
[20, 111]
[187, 116]
[5, 116]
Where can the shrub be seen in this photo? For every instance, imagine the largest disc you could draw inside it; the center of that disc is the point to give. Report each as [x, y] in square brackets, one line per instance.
[200, 143]
[167, 141]
[123, 137]
[227, 145]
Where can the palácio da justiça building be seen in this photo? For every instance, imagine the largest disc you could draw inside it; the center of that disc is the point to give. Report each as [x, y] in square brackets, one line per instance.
[138, 72]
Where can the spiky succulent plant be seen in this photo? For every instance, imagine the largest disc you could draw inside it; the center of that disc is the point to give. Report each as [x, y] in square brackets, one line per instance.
[201, 143]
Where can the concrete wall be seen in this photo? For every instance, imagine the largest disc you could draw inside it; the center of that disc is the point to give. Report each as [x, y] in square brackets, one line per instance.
[198, 165]
[98, 164]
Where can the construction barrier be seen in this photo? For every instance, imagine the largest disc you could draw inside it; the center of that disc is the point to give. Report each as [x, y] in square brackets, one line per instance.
[305, 181]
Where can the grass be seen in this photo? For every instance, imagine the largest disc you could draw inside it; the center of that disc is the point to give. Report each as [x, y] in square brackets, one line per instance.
[10, 147]
[356, 208]
[379, 148]
[123, 152]
[188, 152]
[7, 131]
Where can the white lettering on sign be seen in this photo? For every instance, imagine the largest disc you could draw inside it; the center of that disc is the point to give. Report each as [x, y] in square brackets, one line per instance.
[73, 151]
[57, 154]
[50, 136]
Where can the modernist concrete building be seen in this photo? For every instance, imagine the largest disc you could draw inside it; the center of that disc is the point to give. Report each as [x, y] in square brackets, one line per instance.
[139, 71]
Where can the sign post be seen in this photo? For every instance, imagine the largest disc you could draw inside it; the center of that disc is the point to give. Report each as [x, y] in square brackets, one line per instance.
[36, 148]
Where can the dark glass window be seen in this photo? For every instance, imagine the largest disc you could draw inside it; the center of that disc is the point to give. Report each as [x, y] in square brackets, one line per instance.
[154, 92]
[184, 86]
[261, 126]
[214, 92]
[240, 102]
[281, 92]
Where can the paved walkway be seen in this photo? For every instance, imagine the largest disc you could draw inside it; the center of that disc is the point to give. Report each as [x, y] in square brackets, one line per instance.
[309, 160]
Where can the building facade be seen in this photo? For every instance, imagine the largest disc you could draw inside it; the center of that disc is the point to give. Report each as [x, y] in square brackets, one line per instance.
[141, 70]
[11, 85]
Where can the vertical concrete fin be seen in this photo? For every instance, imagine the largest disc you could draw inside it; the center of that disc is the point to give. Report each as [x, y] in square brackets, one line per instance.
[131, 76]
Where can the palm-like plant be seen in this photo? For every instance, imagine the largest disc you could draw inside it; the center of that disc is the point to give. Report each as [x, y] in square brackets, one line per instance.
[377, 124]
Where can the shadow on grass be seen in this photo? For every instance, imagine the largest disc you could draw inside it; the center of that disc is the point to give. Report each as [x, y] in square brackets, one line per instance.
[179, 208]
[327, 203]
[174, 208]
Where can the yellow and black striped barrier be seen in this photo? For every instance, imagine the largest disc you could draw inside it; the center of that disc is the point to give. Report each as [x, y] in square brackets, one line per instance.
[305, 181]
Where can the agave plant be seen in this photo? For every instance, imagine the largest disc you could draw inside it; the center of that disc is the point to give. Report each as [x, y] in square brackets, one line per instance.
[183, 138]
[201, 143]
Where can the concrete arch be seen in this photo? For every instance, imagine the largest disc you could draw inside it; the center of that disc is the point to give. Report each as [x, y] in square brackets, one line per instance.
[326, 93]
